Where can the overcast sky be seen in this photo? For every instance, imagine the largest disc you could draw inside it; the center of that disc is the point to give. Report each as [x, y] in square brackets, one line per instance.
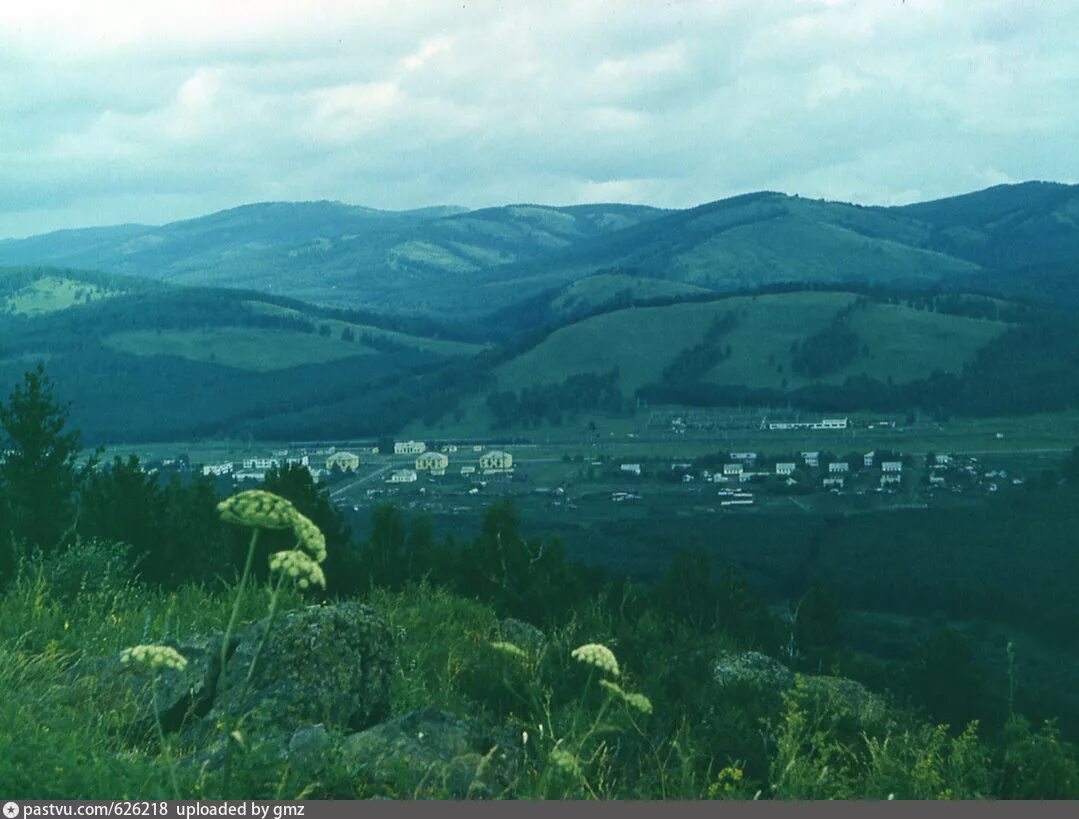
[143, 111]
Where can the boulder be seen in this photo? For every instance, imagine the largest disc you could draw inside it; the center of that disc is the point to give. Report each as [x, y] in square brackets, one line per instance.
[431, 754]
[768, 677]
[321, 664]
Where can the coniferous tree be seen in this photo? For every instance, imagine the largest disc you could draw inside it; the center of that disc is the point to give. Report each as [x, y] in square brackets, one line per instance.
[39, 472]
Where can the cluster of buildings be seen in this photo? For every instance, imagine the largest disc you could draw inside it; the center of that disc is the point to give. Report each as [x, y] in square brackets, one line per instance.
[492, 463]
[804, 468]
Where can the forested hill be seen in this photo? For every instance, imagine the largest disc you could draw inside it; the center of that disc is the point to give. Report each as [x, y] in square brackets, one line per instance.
[1016, 240]
[328, 252]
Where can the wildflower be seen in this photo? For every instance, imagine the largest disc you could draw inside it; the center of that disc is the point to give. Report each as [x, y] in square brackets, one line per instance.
[632, 699]
[309, 536]
[299, 566]
[153, 657]
[597, 655]
[511, 649]
[258, 508]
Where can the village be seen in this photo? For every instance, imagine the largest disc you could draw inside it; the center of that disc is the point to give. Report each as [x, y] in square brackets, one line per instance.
[677, 459]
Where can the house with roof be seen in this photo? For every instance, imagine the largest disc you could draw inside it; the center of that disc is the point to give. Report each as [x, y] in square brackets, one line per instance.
[433, 462]
[496, 460]
[345, 461]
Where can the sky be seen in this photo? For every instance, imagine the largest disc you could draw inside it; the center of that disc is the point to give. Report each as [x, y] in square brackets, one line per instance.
[140, 111]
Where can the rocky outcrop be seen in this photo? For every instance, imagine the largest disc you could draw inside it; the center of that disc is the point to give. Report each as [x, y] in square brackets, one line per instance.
[431, 753]
[321, 664]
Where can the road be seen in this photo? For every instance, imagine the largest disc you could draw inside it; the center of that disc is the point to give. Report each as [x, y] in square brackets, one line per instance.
[341, 490]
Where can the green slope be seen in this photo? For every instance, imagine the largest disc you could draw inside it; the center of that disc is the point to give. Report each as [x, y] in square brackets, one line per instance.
[901, 343]
[153, 361]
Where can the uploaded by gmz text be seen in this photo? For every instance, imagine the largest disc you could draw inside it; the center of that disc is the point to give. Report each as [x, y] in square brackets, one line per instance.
[162, 809]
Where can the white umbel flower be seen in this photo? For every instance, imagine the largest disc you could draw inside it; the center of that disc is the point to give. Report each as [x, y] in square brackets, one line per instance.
[597, 655]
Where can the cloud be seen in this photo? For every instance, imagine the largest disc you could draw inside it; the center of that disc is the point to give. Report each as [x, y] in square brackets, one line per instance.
[122, 111]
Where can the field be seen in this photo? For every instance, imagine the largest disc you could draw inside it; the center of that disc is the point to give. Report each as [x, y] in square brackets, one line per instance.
[51, 294]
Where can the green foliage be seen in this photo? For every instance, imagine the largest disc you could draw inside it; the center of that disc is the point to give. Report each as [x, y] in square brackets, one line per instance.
[532, 406]
[693, 363]
[39, 473]
[172, 529]
[1037, 764]
[826, 351]
[342, 566]
[946, 676]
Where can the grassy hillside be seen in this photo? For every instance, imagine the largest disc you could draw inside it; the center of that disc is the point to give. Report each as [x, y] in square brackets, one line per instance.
[901, 343]
[153, 361]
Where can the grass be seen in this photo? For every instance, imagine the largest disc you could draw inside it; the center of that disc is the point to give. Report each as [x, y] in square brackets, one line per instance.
[246, 348]
[594, 291]
[50, 294]
[641, 342]
[438, 346]
[574, 737]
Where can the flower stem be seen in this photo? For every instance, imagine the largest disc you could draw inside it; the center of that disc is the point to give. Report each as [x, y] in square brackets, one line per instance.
[223, 680]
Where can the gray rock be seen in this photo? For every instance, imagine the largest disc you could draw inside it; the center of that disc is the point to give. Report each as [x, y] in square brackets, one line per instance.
[430, 753]
[769, 677]
[321, 664]
[309, 741]
[751, 668]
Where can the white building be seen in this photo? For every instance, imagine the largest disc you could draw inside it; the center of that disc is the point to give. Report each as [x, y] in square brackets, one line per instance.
[834, 482]
[732, 469]
[785, 468]
[891, 479]
[893, 467]
[811, 458]
[868, 458]
[468, 470]
[261, 463]
[403, 476]
[744, 456]
[496, 459]
[433, 462]
[633, 469]
[409, 447]
[217, 469]
[832, 423]
[838, 468]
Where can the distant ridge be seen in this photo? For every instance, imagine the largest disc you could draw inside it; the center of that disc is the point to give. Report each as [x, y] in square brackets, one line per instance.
[445, 259]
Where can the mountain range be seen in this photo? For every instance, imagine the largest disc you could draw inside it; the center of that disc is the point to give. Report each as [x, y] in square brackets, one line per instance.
[1014, 239]
[317, 319]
